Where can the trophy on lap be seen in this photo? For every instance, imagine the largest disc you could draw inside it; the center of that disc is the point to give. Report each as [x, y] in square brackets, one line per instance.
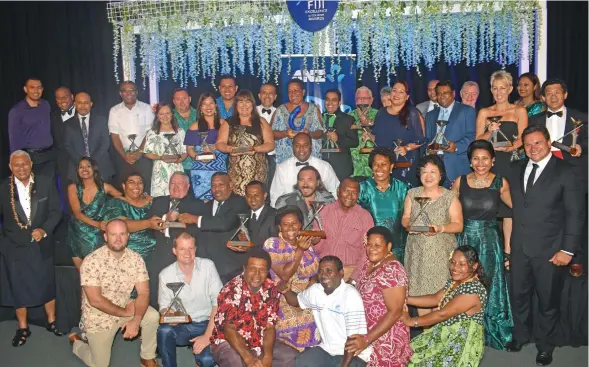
[174, 203]
[206, 153]
[242, 234]
[316, 207]
[243, 147]
[440, 142]
[175, 313]
[426, 226]
[495, 134]
[575, 135]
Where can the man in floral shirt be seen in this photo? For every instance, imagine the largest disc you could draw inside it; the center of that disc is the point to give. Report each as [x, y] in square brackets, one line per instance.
[247, 310]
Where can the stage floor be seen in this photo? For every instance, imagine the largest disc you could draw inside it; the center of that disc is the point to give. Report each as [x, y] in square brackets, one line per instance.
[44, 349]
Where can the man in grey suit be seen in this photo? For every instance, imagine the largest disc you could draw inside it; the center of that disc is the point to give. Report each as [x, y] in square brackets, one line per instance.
[432, 102]
[87, 136]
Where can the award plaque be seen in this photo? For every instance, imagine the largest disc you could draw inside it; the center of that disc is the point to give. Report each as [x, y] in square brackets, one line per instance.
[316, 207]
[426, 226]
[575, 135]
[242, 234]
[440, 143]
[206, 153]
[495, 134]
[175, 313]
[243, 146]
[330, 146]
[133, 147]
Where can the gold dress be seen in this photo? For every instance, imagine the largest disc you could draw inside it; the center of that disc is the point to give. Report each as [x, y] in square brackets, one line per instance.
[245, 168]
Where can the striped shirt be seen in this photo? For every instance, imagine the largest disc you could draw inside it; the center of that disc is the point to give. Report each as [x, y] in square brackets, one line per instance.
[338, 316]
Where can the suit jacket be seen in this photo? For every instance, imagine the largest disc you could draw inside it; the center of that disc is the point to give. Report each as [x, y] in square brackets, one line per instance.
[58, 133]
[45, 214]
[216, 230]
[423, 107]
[264, 227]
[346, 138]
[550, 216]
[461, 129]
[579, 163]
[161, 206]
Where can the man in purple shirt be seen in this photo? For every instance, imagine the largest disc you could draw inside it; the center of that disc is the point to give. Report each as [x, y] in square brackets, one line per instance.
[29, 128]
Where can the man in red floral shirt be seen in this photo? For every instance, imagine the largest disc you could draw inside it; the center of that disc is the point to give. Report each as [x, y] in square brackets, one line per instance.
[247, 310]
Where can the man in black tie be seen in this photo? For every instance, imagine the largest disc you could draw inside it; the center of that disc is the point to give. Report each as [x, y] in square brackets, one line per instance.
[87, 136]
[218, 222]
[261, 223]
[266, 110]
[548, 219]
[66, 110]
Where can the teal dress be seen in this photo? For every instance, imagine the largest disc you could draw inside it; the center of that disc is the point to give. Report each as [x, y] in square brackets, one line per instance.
[82, 238]
[386, 209]
[479, 207]
[535, 108]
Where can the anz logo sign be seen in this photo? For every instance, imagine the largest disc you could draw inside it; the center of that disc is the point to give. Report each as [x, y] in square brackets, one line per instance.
[319, 75]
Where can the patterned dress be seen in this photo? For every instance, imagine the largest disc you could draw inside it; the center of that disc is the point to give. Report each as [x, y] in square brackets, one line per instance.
[426, 257]
[361, 167]
[246, 167]
[295, 327]
[159, 144]
[184, 125]
[82, 238]
[392, 349]
[200, 172]
[458, 341]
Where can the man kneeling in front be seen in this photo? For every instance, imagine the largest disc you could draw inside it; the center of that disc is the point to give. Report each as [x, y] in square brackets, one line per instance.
[108, 276]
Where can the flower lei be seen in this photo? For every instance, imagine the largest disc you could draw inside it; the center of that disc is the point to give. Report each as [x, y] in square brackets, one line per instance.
[13, 205]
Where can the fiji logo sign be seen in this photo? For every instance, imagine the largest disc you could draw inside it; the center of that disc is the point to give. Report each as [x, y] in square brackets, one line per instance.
[319, 75]
[312, 15]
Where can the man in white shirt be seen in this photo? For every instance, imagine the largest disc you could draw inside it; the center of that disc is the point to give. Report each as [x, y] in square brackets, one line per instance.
[266, 110]
[198, 296]
[128, 124]
[286, 173]
[338, 312]
[432, 102]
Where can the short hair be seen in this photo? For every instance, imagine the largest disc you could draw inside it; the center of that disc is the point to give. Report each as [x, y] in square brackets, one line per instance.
[227, 76]
[549, 82]
[480, 145]
[66, 88]
[127, 82]
[19, 152]
[296, 81]
[180, 173]
[436, 161]
[334, 259]
[270, 84]
[534, 128]
[179, 90]
[32, 78]
[470, 83]
[131, 173]
[536, 82]
[302, 134]
[288, 210]
[502, 75]
[382, 231]
[445, 83]
[363, 88]
[254, 183]
[184, 236]
[350, 179]
[219, 174]
[258, 253]
[333, 90]
[117, 220]
[385, 151]
[385, 91]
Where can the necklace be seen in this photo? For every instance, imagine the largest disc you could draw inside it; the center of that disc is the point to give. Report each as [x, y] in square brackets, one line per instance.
[13, 205]
[480, 182]
[383, 188]
[451, 288]
[380, 262]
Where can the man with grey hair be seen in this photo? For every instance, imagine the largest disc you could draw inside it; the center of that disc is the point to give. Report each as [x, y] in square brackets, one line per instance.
[31, 210]
[364, 114]
[432, 102]
[469, 93]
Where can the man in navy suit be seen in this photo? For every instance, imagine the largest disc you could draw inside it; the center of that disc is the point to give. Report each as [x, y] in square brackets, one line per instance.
[459, 130]
[87, 136]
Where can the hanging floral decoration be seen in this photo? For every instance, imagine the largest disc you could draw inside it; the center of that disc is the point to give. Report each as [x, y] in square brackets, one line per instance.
[188, 40]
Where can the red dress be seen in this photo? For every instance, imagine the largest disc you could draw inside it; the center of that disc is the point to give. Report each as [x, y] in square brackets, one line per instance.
[392, 349]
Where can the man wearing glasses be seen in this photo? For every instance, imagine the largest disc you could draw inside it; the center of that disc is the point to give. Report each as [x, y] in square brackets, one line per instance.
[128, 123]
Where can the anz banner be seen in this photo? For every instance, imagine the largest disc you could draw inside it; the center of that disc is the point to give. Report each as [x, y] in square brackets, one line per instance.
[317, 82]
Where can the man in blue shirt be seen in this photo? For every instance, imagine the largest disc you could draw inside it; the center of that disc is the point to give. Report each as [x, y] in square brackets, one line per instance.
[227, 88]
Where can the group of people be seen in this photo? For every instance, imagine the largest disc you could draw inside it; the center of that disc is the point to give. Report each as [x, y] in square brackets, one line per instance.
[290, 256]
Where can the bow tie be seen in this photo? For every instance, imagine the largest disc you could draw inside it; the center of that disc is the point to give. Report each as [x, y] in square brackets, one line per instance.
[301, 164]
[267, 111]
[549, 114]
[63, 113]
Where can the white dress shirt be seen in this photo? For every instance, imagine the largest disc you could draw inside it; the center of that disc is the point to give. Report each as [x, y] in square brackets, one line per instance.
[23, 196]
[268, 118]
[286, 173]
[556, 126]
[69, 114]
[257, 213]
[431, 105]
[124, 122]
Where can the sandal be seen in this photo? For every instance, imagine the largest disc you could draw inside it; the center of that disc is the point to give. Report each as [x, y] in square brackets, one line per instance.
[21, 336]
[52, 327]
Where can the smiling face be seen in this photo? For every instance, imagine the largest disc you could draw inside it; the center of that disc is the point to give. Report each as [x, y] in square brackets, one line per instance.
[332, 102]
[21, 167]
[431, 90]
[267, 95]
[178, 186]
[133, 187]
[182, 101]
[221, 187]
[536, 146]
[381, 169]
[307, 183]
[399, 95]
[83, 103]
[377, 248]
[363, 97]
[185, 250]
[208, 107]
[255, 273]
[301, 147]
[347, 193]
[525, 87]
[460, 269]
[501, 90]
[128, 93]
[469, 95]
[85, 170]
[445, 95]
[386, 100]
[554, 96]
[164, 114]
[289, 227]
[33, 89]
[295, 94]
[228, 88]
[481, 161]
[64, 99]
[329, 277]
[255, 197]
[430, 176]
[245, 107]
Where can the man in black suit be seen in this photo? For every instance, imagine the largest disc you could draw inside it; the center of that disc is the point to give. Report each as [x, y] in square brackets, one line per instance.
[66, 110]
[548, 219]
[218, 222]
[87, 136]
[31, 210]
[261, 216]
[338, 125]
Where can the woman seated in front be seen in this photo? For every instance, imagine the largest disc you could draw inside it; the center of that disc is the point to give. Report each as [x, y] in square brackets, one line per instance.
[88, 198]
[456, 336]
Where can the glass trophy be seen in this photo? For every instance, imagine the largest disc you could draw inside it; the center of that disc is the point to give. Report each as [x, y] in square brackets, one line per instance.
[243, 146]
[440, 143]
[175, 313]
[242, 234]
[330, 146]
[575, 135]
[133, 146]
[367, 145]
[170, 152]
[316, 207]
[206, 153]
[400, 164]
[495, 134]
[174, 203]
[515, 155]
[425, 225]
[363, 111]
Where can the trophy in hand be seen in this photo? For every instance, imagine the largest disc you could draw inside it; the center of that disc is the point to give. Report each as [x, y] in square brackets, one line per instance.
[440, 143]
[367, 144]
[363, 111]
[243, 146]
[572, 149]
[425, 225]
[133, 147]
[205, 153]
[242, 234]
[316, 207]
[330, 146]
[175, 313]
[404, 164]
[174, 203]
[495, 134]
[170, 152]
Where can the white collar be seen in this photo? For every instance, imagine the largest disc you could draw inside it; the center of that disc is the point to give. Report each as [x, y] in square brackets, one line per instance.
[257, 212]
[17, 181]
[541, 163]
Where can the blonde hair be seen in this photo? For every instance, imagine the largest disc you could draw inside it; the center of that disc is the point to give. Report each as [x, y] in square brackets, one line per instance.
[502, 75]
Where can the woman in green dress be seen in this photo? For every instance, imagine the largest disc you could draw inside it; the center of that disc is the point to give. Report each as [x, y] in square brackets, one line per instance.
[384, 196]
[530, 93]
[87, 199]
[456, 335]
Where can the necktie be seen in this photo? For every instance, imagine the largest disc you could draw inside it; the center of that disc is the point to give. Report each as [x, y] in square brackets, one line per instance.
[549, 114]
[254, 217]
[85, 135]
[301, 164]
[267, 111]
[63, 113]
[532, 177]
[329, 119]
[219, 203]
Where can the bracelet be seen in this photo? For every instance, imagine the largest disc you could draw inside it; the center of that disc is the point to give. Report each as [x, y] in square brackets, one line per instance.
[506, 256]
[416, 321]
[442, 229]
